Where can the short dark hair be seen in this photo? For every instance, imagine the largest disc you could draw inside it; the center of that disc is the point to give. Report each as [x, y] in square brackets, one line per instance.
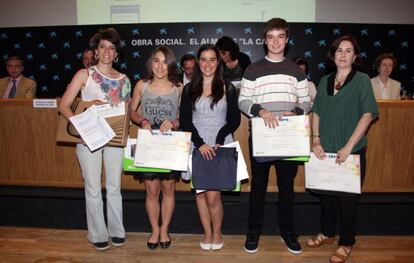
[87, 50]
[276, 23]
[335, 45]
[186, 57]
[14, 58]
[108, 34]
[383, 56]
[302, 62]
[226, 43]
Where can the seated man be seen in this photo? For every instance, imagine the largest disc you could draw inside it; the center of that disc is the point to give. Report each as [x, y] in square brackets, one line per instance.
[88, 58]
[16, 85]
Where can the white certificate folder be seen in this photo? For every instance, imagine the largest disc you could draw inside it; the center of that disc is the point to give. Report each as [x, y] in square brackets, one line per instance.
[169, 150]
[291, 138]
[327, 175]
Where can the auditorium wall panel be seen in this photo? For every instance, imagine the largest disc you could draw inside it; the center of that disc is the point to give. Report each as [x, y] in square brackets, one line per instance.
[30, 155]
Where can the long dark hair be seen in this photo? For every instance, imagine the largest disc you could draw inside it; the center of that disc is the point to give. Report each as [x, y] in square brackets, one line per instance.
[217, 91]
[171, 65]
[227, 44]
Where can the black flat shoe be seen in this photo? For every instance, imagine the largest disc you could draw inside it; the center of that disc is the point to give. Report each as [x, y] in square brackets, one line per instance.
[152, 246]
[118, 241]
[101, 245]
[165, 244]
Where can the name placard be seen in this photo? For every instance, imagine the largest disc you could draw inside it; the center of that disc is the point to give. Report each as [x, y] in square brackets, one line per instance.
[44, 103]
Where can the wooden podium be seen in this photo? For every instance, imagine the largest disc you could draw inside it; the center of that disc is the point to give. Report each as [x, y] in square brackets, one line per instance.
[30, 155]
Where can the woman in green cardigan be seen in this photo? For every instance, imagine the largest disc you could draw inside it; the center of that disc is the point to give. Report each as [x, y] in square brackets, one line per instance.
[342, 112]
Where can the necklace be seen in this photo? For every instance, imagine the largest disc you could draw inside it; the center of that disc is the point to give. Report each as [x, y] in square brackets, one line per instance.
[339, 83]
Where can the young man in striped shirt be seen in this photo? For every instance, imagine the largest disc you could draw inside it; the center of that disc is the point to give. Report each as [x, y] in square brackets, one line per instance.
[271, 88]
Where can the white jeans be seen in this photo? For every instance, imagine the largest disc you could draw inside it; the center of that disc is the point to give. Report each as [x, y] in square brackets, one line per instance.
[91, 166]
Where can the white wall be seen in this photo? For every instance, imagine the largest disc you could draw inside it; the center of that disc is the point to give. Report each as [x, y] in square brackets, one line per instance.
[21, 13]
[365, 11]
[162, 11]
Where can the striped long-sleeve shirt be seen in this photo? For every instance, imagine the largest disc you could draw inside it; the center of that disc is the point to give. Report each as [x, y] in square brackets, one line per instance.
[274, 86]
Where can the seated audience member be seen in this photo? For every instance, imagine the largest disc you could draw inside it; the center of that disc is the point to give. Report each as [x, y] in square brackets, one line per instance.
[385, 88]
[229, 54]
[16, 85]
[88, 58]
[303, 65]
[187, 63]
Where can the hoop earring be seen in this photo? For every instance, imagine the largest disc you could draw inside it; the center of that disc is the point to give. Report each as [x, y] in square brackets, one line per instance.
[116, 59]
[96, 56]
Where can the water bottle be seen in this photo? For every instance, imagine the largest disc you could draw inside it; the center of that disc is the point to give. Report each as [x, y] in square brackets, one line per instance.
[404, 95]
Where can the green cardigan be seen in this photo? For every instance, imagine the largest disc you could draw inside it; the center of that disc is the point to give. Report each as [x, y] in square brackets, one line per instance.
[340, 113]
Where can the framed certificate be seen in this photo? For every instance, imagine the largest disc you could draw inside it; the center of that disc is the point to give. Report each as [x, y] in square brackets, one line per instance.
[327, 175]
[290, 139]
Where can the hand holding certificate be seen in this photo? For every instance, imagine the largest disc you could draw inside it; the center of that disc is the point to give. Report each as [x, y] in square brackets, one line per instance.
[115, 115]
[169, 150]
[94, 131]
[290, 138]
[327, 175]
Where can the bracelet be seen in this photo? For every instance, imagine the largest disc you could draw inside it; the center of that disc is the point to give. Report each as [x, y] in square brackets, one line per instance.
[315, 136]
[175, 124]
[142, 122]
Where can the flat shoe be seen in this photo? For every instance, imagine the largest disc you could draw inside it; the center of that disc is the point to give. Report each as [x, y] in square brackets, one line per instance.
[165, 244]
[118, 241]
[101, 245]
[205, 246]
[217, 246]
[152, 246]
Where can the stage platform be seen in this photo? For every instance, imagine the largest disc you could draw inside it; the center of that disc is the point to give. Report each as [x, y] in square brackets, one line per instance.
[64, 208]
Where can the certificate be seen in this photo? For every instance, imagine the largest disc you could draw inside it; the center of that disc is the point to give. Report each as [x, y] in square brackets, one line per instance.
[129, 159]
[289, 139]
[107, 110]
[327, 175]
[115, 115]
[169, 150]
[95, 131]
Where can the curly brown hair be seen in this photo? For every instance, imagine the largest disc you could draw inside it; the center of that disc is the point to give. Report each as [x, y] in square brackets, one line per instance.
[108, 34]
